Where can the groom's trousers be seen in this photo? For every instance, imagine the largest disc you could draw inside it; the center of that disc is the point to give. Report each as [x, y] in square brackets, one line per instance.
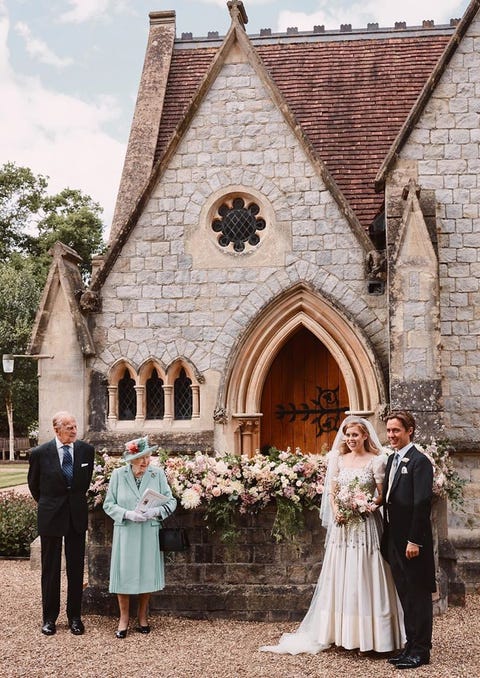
[416, 602]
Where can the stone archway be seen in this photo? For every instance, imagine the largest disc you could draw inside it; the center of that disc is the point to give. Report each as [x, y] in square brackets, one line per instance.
[298, 308]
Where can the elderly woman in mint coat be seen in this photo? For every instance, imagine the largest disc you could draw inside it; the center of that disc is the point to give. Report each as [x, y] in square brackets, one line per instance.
[136, 565]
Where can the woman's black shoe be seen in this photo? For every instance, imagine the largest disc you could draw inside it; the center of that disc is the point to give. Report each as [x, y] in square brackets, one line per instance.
[121, 634]
[143, 629]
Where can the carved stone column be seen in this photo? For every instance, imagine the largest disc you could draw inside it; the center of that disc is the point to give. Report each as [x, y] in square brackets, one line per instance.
[112, 404]
[247, 434]
[140, 416]
[168, 391]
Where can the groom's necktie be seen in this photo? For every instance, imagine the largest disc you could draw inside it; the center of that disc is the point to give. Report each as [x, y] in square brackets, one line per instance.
[67, 464]
[393, 470]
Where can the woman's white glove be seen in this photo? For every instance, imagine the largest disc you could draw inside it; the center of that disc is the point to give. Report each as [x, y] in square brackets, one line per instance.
[135, 516]
[152, 513]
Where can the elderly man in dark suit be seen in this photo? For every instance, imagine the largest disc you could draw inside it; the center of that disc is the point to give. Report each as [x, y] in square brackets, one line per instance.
[407, 542]
[59, 476]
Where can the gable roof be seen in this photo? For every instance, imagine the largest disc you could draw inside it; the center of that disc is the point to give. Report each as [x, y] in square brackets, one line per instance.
[349, 93]
[215, 62]
[426, 93]
[346, 95]
[65, 271]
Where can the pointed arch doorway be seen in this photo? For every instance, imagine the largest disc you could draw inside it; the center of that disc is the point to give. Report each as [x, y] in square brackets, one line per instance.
[343, 344]
[304, 396]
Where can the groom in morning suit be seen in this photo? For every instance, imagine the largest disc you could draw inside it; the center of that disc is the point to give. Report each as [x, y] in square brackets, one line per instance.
[59, 476]
[407, 542]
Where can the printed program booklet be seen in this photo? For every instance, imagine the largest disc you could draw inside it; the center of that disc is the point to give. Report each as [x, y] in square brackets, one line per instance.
[151, 499]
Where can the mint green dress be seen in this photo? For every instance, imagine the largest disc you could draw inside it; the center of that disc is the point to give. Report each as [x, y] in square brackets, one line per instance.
[136, 564]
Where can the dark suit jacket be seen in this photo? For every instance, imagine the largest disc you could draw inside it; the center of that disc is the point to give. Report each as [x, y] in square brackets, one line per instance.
[57, 504]
[407, 516]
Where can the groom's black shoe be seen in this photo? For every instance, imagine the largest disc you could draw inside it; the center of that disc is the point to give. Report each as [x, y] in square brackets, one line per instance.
[398, 657]
[412, 661]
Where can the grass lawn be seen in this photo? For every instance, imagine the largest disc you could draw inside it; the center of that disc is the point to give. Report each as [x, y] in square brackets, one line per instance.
[13, 474]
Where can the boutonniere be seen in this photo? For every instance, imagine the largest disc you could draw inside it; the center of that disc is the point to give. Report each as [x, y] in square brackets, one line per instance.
[405, 460]
[404, 469]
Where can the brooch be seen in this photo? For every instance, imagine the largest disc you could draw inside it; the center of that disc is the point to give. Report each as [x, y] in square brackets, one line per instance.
[153, 474]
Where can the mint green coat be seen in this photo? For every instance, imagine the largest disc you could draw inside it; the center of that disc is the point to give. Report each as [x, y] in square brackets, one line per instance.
[136, 564]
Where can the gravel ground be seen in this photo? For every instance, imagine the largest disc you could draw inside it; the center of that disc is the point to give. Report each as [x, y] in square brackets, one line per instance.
[181, 648]
[178, 648]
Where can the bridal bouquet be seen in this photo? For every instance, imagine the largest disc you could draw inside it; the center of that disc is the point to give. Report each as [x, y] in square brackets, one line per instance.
[353, 503]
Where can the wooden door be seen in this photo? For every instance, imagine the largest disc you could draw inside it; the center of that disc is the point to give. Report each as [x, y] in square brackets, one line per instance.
[304, 397]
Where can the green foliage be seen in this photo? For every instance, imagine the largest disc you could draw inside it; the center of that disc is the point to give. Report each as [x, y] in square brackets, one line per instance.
[20, 291]
[73, 219]
[18, 524]
[221, 516]
[21, 195]
[289, 521]
[31, 221]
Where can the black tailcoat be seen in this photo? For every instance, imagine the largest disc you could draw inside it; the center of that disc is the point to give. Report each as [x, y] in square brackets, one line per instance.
[407, 517]
[62, 517]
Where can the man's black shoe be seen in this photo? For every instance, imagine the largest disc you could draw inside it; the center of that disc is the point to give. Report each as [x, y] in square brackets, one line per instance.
[398, 657]
[77, 627]
[412, 662]
[49, 628]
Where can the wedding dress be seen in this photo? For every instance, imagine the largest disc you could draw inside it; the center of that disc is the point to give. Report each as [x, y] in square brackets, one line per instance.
[355, 604]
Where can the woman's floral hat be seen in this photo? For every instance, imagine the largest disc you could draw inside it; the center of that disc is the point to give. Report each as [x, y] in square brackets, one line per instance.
[138, 448]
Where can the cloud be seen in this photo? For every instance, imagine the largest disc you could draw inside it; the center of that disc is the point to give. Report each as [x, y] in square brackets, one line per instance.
[58, 135]
[250, 3]
[93, 10]
[360, 12]
[39, 49]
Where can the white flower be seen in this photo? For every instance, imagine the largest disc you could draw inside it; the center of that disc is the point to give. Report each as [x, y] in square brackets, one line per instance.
[190, 499]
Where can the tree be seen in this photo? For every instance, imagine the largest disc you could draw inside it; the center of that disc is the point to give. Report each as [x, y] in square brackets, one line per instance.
[21, 196]
[74, 219]
[31, 221]
[20, 291]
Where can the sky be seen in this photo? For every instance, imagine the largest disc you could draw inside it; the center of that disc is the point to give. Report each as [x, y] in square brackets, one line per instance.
[69, 71]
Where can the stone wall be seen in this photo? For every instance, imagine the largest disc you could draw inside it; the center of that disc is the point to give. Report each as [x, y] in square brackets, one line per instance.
[443, 155]
[257, 579]
[175, 292]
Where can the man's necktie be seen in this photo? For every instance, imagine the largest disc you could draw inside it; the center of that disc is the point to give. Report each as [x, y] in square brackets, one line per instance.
[396, 459]
[393, 470]
[67, 464]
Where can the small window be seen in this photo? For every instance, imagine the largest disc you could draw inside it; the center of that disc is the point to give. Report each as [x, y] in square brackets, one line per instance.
[155, 397]
[238, 223]
[127, 398]
[182, 395]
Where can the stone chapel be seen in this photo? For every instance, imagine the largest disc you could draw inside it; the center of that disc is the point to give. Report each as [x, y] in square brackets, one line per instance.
[296, 236]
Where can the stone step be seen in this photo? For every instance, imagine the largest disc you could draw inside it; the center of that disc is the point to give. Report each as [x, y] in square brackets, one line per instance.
[465, 539]
[467, 547]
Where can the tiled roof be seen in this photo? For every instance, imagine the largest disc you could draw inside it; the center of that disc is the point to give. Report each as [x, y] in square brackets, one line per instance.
[351, 98]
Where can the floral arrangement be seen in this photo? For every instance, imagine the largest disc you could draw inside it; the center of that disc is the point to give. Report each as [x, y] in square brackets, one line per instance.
[447, 484]
[353, 503]
[102, 471]
[228, 485]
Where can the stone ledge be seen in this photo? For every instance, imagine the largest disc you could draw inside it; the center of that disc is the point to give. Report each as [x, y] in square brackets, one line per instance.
[243, 602]
[464, 538]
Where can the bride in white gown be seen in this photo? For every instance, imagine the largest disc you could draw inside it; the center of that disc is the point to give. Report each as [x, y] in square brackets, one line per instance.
[355, 604]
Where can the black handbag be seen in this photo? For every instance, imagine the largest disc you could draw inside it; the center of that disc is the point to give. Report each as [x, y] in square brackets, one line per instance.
[173, 538]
